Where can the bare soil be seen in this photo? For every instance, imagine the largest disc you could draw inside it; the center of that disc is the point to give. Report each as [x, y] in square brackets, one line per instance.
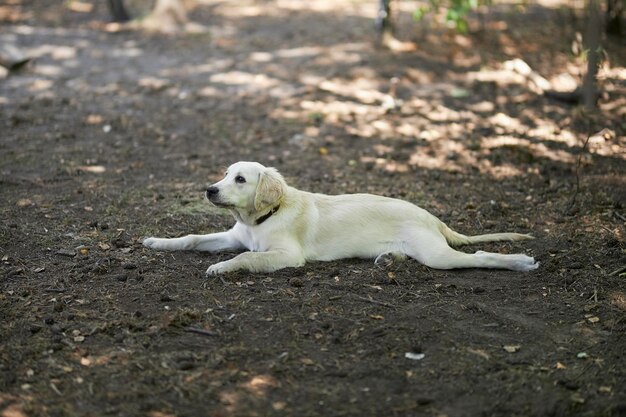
[108, 137]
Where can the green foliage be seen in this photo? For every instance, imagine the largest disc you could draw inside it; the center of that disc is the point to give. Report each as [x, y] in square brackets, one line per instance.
[455, 11]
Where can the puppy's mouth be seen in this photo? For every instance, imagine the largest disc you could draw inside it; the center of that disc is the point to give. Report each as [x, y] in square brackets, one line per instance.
[217, 203]
[221, 205]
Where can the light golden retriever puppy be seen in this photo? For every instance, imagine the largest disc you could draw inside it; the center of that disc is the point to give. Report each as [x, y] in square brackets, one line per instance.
[280, 226]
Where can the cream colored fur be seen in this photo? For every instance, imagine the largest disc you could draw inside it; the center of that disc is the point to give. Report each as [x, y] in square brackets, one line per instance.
[317, 227]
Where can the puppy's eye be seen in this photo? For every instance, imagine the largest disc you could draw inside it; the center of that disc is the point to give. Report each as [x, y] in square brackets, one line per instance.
[239, 179]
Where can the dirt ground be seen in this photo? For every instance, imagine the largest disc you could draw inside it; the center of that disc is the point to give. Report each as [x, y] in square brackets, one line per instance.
[109, 137]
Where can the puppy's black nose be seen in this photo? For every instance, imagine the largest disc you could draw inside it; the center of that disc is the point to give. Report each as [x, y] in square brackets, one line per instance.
[212, 192]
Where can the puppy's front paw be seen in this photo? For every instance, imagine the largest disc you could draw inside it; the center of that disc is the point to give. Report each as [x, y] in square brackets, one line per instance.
[157, 243]
[149, 242]
[217, 269]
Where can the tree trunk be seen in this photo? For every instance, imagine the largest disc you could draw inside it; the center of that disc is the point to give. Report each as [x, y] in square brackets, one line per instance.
[384, 26]
[592, 44]
[118, 11]
[168, 16]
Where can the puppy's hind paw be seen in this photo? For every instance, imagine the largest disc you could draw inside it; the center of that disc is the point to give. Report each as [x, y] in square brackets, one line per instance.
[384, 260]
[387, 259]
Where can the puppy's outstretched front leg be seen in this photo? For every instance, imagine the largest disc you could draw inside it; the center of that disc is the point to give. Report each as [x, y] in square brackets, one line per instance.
[211, 243]
[258, 262]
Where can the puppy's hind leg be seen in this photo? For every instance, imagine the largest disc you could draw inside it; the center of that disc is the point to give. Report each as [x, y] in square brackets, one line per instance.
[514, 262]
[431, 249]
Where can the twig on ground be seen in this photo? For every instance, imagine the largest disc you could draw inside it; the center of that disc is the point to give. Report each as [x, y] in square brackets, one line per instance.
[619, 216]
[578, 162]
[55, 389]
[618, 271]
[202, 332]
[371, 300]
[55, 290]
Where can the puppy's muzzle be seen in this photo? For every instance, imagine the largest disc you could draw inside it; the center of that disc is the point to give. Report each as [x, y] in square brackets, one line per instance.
[212, 194]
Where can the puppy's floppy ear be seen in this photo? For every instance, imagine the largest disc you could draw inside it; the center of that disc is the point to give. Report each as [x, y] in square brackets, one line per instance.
[269, 189]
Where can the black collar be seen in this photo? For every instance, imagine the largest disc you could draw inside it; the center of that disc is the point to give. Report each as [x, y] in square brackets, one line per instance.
[267, 216]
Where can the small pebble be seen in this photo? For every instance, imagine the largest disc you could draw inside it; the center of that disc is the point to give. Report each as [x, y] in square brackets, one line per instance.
[121, 277]
[56, 329]
[296, 282]
[185, 365]
[424, 400]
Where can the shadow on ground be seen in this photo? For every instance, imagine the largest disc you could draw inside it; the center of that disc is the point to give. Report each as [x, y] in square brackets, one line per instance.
[110, 137]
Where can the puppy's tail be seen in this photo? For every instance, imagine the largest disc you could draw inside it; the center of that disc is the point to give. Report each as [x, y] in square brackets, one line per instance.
[456, 239]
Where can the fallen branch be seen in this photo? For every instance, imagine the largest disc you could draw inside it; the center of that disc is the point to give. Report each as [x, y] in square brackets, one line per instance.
[167, 16]
[540, 85]
[537, 83]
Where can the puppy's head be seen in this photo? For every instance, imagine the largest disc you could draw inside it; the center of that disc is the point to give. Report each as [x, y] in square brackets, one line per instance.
[247, 187]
